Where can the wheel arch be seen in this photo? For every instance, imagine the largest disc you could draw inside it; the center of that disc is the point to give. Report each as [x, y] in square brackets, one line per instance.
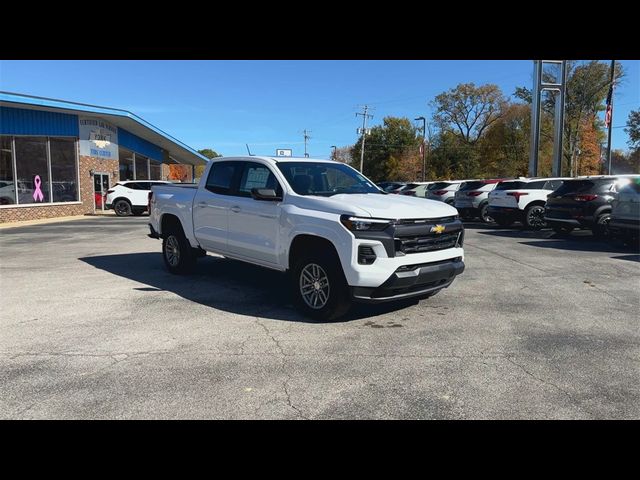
[169, 221]
[117, 199]
[304, 242]
[534, 203]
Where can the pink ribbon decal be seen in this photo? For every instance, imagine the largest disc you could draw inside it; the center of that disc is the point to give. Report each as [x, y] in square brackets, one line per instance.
[37, 195]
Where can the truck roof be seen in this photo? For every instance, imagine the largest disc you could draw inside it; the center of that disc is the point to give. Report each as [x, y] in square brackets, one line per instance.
[274, 159]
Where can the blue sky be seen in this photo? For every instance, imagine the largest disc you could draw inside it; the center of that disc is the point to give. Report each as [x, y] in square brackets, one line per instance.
[267, 104]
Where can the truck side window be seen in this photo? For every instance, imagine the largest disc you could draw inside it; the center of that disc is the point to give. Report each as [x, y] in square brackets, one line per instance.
[221, 177]
[256, 175]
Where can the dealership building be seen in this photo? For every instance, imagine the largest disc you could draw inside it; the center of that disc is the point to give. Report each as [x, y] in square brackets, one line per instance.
[58, 158]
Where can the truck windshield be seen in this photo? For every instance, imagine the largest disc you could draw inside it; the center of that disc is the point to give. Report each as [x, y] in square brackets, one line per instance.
[325, 179]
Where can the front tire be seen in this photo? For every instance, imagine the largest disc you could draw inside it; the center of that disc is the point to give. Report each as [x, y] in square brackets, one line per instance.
[484, 214]
[319, 287]
[177, 252]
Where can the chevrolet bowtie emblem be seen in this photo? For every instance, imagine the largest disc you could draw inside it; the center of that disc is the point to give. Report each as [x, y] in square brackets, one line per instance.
[437, 229]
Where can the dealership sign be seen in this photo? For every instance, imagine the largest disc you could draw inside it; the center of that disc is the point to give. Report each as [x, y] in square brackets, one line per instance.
[98, 138]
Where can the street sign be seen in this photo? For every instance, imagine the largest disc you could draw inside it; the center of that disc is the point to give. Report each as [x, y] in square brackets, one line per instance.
[284, 152]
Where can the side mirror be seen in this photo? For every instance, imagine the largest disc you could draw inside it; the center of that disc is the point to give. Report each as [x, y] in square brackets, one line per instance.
[267, 194]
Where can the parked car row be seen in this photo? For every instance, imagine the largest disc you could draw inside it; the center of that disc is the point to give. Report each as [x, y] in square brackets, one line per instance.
[609, 205]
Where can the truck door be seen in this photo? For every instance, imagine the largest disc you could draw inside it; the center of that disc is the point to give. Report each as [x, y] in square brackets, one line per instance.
[254, 224]
[211, 206]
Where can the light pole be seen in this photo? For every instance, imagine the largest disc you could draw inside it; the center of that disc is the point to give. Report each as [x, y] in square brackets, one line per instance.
[333, 154]
[424, 136]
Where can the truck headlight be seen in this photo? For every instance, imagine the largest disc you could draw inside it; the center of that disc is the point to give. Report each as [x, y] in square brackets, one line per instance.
[358, 224]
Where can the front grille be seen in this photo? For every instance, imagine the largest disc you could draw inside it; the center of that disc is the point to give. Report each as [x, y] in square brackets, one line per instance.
[425, 220]
[427, 243]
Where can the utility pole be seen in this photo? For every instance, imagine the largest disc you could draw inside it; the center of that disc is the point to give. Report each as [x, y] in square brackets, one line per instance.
[306, 137]
[609, 112]
[424, 138]
[365, 115]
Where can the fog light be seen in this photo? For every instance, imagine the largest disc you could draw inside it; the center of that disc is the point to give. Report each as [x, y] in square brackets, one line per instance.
[366, 255]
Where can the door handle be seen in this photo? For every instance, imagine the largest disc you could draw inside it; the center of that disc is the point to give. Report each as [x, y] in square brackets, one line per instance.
[202, 204]
[235, 209]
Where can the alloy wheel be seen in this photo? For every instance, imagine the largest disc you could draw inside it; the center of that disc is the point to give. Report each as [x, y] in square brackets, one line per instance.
[172, 251]
[314, 286]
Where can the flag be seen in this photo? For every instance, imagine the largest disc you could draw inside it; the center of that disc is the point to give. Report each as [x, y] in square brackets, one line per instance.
[609, 112]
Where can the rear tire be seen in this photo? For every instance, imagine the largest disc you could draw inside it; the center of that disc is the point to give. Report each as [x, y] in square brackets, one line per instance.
[122, 208]
[319, 287]
[534, 217]
[177, 253]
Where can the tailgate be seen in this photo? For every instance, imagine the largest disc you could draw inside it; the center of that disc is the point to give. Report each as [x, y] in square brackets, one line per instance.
[499, 198]
[462, 200]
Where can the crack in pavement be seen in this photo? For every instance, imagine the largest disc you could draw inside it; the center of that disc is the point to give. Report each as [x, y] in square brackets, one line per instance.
[504, 256]
[546, 382]
[285, 384]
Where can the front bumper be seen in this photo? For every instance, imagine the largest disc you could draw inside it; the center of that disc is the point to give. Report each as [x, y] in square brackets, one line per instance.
[411, 281]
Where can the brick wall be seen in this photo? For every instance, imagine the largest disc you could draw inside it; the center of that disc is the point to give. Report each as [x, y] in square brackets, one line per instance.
[87, 164]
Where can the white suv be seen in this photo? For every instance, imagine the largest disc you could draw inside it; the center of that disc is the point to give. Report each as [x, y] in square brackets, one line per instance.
[471, 199]
[444, 191]
[130, 196]
[522, 200]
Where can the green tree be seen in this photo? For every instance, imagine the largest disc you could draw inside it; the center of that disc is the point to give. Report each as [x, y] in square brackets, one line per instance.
[467, 111]
[448, 157]
[505, 147]
[633, 129]
[207, 152]
[387, 149]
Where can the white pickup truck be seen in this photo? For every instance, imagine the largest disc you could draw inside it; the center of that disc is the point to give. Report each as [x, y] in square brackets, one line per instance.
[338, 236]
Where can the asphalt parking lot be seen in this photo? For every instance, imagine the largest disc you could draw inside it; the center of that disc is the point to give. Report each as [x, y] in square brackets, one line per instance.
[93, 327]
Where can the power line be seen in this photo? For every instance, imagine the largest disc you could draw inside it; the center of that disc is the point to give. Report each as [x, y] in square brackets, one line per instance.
[306, 137]
[365, 115]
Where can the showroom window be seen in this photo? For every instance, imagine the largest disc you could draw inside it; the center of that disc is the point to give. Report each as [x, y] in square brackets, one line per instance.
[126, 164]
[142, 167]
[32, 170]
[64, 174]
[155, 169]
[46, 170]
[7, 183]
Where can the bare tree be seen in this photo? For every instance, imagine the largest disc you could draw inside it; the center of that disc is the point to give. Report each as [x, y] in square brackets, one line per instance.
[468, 110]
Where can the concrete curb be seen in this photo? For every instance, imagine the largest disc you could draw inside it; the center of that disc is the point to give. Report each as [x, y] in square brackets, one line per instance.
[26, 223]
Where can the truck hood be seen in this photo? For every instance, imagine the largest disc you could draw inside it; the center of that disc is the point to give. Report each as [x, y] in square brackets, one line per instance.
[378, 206]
